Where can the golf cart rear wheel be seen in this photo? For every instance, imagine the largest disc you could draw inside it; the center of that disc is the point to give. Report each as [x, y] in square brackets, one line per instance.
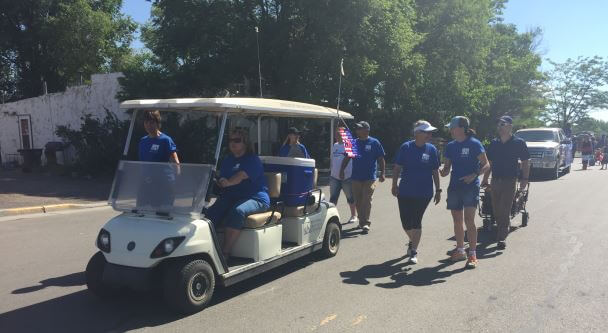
[331, 241]
[524, 219]
[94, 277]
[188, 287]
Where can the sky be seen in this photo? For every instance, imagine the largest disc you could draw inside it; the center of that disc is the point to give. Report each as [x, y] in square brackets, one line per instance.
[571, 28]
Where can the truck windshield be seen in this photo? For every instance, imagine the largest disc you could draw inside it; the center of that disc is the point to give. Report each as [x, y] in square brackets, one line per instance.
[536, 136]
[160, 188]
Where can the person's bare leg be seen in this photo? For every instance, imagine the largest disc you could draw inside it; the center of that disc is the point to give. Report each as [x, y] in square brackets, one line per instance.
[457, 216]
[230, 237]
[469, 219]
[353, 210]
[415, 238]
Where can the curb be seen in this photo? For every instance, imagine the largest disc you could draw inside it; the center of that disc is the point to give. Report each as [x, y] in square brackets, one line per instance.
[48, 208]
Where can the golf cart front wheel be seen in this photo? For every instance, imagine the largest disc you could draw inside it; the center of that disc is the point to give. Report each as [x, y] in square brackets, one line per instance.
[331, 241]
[94, 277]
[188, 287]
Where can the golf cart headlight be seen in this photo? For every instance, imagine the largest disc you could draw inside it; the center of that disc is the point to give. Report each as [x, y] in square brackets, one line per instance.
[166, 247]
[104, 241]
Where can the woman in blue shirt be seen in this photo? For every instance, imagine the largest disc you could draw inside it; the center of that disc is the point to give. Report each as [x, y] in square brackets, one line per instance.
[292, 146]
[418, 162]
[244, 189]
[157, 188]
[466, 158]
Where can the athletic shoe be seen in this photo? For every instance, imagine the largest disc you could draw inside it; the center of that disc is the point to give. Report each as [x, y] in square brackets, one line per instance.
[471, 262]
[413, 257]
[501, 245]
[365, 229]
[457, 256]
[352, 219]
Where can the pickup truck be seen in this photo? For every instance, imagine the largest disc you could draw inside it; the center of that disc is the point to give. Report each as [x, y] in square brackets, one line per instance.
[550, 150]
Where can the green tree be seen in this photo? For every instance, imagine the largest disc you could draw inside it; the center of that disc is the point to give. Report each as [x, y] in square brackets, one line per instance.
[575, 88]
[57, 41]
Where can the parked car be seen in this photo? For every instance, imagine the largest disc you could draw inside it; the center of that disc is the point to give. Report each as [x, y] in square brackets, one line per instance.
[550, 150]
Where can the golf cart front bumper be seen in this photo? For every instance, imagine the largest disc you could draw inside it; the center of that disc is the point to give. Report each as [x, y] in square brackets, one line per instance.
[131, 277]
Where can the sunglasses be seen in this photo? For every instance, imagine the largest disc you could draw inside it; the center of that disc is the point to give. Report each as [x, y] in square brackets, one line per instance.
[235, 140]
[502, 124]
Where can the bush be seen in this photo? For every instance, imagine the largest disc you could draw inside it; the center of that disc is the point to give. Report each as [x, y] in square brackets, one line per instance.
[98, 143]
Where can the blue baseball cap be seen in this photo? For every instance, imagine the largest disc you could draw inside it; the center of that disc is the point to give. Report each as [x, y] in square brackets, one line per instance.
[458, 121]
[506, 119]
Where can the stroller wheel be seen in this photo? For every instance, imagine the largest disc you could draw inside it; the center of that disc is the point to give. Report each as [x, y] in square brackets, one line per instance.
[524, 219]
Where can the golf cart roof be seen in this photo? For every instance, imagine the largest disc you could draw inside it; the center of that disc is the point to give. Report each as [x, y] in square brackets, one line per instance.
[244, 106]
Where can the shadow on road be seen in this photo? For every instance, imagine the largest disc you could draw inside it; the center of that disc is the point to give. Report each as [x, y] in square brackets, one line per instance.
[70, 280]
[83, 312]
[401, 274]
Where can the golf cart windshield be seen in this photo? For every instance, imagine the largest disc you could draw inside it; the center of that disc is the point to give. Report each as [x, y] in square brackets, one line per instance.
[163, 189]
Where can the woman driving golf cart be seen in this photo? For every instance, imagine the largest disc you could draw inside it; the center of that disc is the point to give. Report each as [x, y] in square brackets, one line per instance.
[244, 190]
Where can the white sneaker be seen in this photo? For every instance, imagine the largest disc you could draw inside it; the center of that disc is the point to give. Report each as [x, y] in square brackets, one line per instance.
[365, 229]
[353, 219]
[413, 257]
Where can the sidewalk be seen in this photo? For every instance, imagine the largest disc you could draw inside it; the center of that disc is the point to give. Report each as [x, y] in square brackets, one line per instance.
[18, 189]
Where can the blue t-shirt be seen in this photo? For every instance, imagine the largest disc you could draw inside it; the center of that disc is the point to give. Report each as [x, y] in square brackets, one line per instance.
[464, 156]
[364, 165]
[417, 165]
[284, 151]
[157, 149]
[253, 187]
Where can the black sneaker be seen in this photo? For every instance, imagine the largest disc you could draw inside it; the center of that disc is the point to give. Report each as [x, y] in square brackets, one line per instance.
[501, 245]
[409, 249]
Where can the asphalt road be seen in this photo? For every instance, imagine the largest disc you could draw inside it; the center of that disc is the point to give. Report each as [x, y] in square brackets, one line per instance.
[551, 278]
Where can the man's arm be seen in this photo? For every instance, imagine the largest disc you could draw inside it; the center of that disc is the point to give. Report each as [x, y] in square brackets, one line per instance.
[525, 172]
[396, 172]
[447, 166]
[345, 162]
[486, 175]
[382, 166]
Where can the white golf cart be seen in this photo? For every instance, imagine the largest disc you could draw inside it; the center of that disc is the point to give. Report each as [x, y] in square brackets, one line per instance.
[162, 237]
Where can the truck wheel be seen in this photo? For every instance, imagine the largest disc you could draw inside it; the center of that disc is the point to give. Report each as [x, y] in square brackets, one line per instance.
[555, 172]
[331, 240]
[94, 275]
[524, 219]
[567, 170]
[188, 287]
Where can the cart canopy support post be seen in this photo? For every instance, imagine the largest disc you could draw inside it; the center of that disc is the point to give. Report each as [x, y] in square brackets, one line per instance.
[133, 117]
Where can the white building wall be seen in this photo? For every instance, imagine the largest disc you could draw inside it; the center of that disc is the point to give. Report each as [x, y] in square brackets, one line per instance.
[49, 111]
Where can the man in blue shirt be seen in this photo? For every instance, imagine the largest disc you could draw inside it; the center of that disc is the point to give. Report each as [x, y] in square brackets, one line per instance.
[504, 154]
[365, 166]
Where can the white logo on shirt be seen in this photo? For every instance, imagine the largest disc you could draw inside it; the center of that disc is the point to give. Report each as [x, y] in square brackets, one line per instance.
[464, 152]
[154, 148]
[425, 158]
[368, 148]
[236, 166]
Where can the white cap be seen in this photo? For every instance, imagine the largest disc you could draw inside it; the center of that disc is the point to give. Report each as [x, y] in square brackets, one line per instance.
[424, 126]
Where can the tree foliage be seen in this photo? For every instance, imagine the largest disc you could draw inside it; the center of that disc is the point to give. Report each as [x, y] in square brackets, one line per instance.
[404, 59]
[57, 41]
[575, 88]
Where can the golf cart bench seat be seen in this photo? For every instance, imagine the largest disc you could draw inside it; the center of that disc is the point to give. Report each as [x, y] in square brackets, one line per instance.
[271, 216]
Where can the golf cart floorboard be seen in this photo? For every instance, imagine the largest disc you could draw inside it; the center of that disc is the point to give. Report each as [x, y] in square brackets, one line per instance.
[241, 272]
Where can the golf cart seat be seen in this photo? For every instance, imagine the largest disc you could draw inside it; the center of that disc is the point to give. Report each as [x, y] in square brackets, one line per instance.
[270, 217]
[312, 204]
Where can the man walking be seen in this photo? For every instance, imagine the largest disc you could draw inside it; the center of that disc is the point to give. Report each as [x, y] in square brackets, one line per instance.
[504, 154]
[365, 166]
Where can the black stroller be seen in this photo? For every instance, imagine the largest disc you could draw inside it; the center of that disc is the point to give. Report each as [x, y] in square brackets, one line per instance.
[519, 206]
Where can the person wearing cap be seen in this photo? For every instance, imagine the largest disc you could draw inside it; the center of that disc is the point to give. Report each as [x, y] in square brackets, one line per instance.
[467, 160]
[292, 146]
[504, 154]
[417, 162]
[365, 166]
